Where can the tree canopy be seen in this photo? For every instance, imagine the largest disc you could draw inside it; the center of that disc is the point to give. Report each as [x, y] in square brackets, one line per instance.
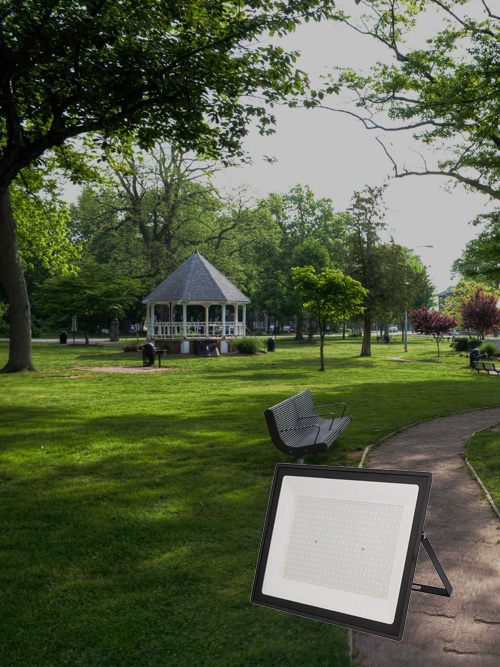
[462, 292]
[309, 233]
[441, 86]
[191, 72]
[432, 323]
[328, 296]
[480, 259]
[480, 313]
[379, 266]
[96, 295]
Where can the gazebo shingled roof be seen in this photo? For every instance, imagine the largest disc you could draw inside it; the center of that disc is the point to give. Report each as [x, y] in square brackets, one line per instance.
[196, 280]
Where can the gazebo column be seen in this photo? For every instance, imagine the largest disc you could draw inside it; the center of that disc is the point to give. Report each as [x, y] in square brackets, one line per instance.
[184, 319]
[244, 318]
[150, 328]
[224, 320]
[207, 308]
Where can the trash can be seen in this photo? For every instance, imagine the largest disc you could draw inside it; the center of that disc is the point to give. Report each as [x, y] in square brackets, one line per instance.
[271, 344]
[475, 355]
[63, 337]
[148, 354]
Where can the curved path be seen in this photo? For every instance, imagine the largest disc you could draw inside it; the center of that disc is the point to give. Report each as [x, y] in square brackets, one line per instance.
[464, 630]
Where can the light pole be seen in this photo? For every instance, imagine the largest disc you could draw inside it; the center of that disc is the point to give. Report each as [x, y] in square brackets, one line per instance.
[406, 311]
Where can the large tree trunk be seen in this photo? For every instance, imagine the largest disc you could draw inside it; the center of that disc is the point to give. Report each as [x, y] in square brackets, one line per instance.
[299, 331]
[366, 346]
[12, 276]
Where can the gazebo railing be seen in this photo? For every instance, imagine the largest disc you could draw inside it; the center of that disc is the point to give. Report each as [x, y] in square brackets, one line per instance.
[196, 329]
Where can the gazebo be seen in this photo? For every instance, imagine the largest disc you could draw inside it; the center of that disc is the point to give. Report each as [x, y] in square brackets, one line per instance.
[196, 302]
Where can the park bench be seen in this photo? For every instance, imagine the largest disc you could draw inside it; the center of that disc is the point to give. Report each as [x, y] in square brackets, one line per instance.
[297, 429]
[385, 339]
[487, 366]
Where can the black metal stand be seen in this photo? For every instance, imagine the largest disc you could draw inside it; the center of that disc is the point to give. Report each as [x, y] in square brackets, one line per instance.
[446, 591]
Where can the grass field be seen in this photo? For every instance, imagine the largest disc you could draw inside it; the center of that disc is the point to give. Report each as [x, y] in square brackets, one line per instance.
[132, 506]
[483, 451]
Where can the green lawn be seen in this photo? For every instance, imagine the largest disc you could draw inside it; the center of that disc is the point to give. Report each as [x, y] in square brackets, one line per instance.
[483, 451]
[132, 506]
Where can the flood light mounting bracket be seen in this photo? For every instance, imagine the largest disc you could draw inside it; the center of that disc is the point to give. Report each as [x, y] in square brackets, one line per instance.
[434, 590]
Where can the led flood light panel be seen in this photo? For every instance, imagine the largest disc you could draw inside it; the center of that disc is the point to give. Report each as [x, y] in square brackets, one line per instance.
[340, 545]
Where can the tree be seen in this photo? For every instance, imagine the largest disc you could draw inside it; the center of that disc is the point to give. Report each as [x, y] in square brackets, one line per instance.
[328, 296]
[441, 87]
[431, 323]
[311, 233]
[182, 71]
[42, 220]
[162, 197]
[378, 266]
[462, 292]
[479, 260]
[95, 296]
[480, 312]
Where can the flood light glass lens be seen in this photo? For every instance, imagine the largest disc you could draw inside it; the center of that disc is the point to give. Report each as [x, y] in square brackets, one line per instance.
[347, 546]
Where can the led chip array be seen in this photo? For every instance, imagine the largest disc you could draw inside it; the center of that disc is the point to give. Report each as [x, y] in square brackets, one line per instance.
[346, 545]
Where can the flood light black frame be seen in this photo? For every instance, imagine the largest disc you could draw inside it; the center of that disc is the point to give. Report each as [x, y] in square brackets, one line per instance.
[391, 631]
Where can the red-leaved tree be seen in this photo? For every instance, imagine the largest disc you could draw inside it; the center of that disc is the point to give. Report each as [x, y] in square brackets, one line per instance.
[480, 312]
[431, 323]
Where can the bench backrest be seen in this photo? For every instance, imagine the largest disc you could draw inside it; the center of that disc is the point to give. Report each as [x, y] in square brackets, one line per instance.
[287, 415]
[488, 366]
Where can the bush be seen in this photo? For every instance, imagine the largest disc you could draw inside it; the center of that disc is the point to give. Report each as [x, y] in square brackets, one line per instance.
[248, 345]
[489, 348]
[474, 342]
[462, 343]
[131, 348]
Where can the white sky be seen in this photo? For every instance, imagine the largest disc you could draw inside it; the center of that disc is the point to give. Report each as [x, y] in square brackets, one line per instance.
[333, 154]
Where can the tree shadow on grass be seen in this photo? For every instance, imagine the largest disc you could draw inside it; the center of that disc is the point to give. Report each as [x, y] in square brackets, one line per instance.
[133, 540]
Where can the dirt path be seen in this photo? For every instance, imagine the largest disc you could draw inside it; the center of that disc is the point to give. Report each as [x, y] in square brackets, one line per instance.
[464, 630]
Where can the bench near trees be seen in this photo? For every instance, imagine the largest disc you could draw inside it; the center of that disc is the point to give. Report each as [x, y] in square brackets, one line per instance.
[487, 366]
[297, 429]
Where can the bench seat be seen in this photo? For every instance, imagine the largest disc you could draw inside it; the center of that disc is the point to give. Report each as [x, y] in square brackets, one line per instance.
[487, 366]
[296, 428]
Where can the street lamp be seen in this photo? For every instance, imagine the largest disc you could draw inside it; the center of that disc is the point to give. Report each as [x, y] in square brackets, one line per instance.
[406, 311]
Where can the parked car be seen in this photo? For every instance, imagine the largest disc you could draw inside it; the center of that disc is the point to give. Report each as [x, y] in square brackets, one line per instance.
[288, 329]
[393, 330]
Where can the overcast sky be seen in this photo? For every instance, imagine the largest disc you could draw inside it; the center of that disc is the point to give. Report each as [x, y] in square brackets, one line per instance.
[333, 154]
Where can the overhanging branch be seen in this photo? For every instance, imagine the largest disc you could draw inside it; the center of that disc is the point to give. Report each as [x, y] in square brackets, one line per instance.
[450, 173]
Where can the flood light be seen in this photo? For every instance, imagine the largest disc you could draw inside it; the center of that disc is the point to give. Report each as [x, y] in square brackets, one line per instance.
[340, 545]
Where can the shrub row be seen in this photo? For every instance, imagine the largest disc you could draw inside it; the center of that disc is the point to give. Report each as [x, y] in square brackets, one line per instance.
[248, 345]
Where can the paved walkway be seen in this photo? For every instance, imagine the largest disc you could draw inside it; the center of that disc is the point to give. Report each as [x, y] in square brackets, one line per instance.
[464, 630]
